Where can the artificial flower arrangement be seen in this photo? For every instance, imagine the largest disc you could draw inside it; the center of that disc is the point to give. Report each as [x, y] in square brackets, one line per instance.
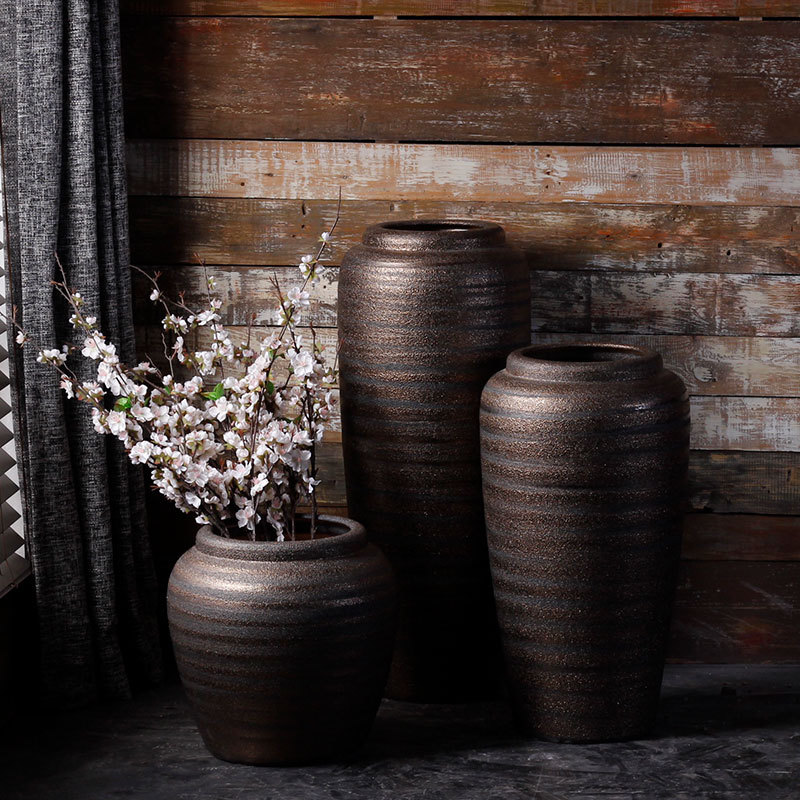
[225, 437]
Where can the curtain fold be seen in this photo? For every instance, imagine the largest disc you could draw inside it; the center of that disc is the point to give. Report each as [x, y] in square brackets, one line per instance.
[61, 116]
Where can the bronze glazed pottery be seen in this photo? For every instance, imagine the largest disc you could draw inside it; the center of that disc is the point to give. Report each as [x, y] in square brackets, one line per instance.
[283, 648]
[428, 310]
[585, 455]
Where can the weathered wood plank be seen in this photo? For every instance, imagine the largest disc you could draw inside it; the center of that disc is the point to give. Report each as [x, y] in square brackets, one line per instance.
[717, 365]
[709, 365]
[658, 238]
[736, 611]
[248, 294]
[741, 537]
[465, 8]
[572, 81]
[746, 483]
[738, 305]
[728, 482]
[470, 173]
[746, 423]
[744, 636]
[704, 304]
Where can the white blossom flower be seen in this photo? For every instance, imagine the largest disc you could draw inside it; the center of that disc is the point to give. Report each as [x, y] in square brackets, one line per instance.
[299, 297]
[140, 452]
[68, 386]
[117, 422]
[230, 438]
[52, 356]
[302, 363]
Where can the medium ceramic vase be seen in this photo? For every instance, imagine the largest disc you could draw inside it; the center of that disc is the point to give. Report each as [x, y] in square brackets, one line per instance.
[584, 455]
[428, 310]
[283, 648]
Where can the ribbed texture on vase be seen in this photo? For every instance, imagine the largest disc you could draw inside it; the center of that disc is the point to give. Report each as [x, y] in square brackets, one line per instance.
[428, 310]
[283, 659]
[584, 455]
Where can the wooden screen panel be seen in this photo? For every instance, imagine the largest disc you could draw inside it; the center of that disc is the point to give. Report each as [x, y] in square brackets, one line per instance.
[571, 81]
[466, 8]
[749, 176]
[641, 238]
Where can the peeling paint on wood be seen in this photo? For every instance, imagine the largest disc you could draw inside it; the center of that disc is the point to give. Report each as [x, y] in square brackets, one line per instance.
[468, 173]
[746, 423]
[639, 238]
[571, 81]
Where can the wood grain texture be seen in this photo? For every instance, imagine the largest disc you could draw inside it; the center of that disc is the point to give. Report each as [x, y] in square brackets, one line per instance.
[566, 236]
[462, 80]
[707, 304]
[744, 483]
[737, 611]
[717, 365]
[466, 8]
[741, 537]
[468, 173]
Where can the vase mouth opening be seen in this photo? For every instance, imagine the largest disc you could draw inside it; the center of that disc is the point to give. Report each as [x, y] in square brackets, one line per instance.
[584, 361]
[580, 353]
[336, 536]
[416, 225]
[434, 234]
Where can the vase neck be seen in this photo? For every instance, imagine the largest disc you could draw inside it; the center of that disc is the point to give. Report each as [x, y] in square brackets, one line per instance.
[338, 537]
[434, 234]
[577, 362]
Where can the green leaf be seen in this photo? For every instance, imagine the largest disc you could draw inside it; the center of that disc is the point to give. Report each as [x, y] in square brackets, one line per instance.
[123, 404]
[219, 391]
[270, 387]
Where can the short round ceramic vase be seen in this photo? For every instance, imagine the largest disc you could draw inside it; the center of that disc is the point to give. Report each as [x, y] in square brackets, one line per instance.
[584, 460]
[283, 648]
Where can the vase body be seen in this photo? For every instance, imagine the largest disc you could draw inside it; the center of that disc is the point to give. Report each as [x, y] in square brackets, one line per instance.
[283, 648]
[584, 456]
[428, 310]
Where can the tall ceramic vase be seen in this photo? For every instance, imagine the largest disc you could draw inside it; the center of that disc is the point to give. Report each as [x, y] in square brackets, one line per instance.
[428, 310]
[584, 454]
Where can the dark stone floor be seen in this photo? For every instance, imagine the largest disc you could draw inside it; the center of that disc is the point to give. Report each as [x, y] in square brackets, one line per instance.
[724, 732]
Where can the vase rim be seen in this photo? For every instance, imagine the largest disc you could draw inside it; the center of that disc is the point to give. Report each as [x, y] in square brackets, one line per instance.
[347, 537]
[584, 361]
[440, 233]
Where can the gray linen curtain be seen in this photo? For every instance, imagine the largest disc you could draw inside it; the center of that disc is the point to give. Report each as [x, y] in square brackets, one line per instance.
[61, 114]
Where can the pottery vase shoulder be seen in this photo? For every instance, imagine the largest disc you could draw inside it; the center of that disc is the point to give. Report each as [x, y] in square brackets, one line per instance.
[584, 454]
[428, 310]
[283, 648]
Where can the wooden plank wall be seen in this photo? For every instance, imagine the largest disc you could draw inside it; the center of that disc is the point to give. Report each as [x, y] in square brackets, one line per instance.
[644, 153]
